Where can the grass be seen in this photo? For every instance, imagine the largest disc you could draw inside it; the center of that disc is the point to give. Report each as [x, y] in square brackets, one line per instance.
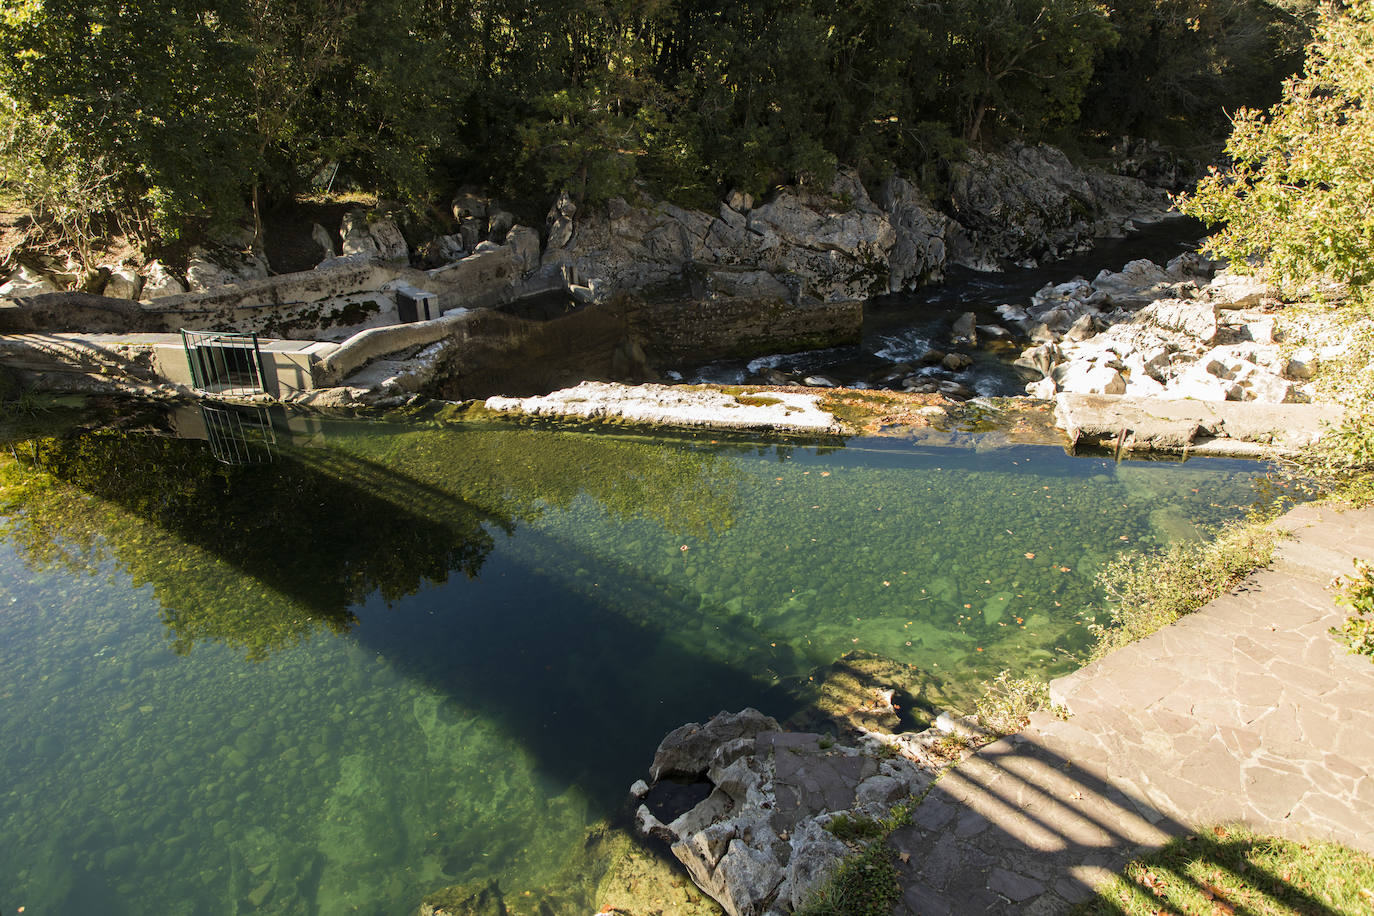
[1152, 590]
[1229, 870]
[866, 883]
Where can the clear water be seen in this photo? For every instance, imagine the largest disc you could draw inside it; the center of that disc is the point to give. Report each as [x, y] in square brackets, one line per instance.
[409, 654]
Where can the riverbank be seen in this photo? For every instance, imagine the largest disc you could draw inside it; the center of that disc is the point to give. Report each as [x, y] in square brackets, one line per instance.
[1212, 720]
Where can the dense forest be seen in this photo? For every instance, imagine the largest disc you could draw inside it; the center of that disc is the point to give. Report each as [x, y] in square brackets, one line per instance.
[172, 114]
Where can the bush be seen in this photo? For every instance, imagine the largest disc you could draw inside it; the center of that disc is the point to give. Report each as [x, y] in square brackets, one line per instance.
[1357, 593]
[1007, 702]
[864, 885]
[1297, 192]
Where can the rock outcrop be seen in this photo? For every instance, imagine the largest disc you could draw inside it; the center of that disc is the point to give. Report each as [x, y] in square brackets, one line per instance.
[773, 828]
[1173, 332]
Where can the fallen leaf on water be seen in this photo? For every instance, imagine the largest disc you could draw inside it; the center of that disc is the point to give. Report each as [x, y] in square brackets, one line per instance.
[825, 473]
[1030, 556]
[904, 856]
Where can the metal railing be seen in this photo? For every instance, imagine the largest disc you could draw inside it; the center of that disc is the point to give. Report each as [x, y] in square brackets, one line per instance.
[224, 363]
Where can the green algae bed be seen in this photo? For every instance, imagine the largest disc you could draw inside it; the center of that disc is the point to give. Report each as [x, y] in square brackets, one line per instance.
[397, 653]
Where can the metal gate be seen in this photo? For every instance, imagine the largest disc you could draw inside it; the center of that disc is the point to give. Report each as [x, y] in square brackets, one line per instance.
[240, 436]
[224, 363]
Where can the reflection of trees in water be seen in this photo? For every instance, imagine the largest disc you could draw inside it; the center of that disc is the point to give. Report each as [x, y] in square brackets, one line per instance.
[260, 557]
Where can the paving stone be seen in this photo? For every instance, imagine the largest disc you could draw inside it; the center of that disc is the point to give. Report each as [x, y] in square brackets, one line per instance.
[1014, 887]
[1247, 710]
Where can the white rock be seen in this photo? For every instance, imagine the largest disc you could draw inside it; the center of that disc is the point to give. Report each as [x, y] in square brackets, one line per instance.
[357, 240]
[1045, 389]
[27, 282]
[158, 282]
[1197, 384]
[322, 238]
[1143, 386]
[639, 789]
[1087, 378]
[1260, 331]
[390, 243]
[1236, 291]
[1194, 319]
[123, 283]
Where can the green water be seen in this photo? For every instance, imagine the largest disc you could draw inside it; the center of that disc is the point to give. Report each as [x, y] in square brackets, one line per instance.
[403, 655]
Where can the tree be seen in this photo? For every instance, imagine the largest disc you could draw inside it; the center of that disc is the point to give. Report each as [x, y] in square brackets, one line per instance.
[1299, 191]
[1026, 61]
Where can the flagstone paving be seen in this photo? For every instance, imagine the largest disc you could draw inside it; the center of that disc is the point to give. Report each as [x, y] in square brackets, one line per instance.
[1247, 711]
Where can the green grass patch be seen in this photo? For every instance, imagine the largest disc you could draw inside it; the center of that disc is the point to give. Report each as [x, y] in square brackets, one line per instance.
[1231, 870]
[1152, 590]
[865, 884]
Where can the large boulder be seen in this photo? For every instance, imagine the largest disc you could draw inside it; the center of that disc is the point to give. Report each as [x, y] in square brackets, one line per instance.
[1197, 320]
[688, 749]
[25, 281]
[560, 220]
[390, 243]
[158, 281]
[123, 282]
[357, 238]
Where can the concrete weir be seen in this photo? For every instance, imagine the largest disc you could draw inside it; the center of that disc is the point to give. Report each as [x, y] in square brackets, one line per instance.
[151, 363]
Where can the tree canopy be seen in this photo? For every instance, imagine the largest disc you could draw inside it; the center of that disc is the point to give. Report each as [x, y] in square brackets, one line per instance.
[1298, 194]
[175, 113]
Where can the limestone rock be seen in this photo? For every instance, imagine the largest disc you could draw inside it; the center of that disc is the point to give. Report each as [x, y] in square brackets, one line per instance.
[123, 283]
[25, 281]
[159, 282]
[321, 237]
[1302, 364]
[357, 239]
[1086, 378]
[1238, 291]
[524, 242]
[1194, 319]
[687, 750]
[470, 202]
[390, 243]
[560, 220]
[815, 854]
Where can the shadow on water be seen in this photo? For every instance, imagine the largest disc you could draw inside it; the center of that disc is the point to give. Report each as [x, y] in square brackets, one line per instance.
[260, 557]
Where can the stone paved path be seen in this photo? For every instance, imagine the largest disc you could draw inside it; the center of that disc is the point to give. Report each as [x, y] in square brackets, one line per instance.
[1246, 711]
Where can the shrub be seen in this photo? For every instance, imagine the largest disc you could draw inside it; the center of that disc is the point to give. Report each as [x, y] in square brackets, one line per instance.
[1007, 702]
[1357, 593]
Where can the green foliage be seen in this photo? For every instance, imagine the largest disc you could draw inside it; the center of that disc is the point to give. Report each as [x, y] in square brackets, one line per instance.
[1357, 593]
[1232, 870]
[1007, 702]
[181, 115]
[1180, 65]
[1297, 192]
[1152, 590]
[865, 884]
[1341, 462]
[854, 827]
